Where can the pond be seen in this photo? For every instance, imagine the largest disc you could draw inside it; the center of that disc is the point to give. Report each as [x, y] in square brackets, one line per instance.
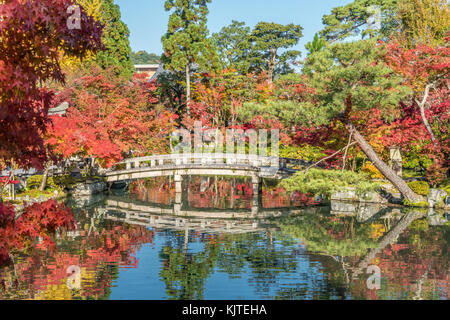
[131, 245]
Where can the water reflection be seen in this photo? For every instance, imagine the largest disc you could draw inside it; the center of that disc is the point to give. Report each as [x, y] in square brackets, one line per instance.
[135, 247]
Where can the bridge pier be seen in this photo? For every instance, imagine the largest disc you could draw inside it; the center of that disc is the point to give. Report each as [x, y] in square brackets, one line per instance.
[178, 179]
[257, 194]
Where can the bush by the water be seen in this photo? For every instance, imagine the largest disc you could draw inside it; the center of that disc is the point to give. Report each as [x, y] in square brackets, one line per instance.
[420, 187]
[325, 182]
[57, 182]
[34, 182]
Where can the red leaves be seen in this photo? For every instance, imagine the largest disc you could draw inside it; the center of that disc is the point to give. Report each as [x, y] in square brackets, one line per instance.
[108, 119]
[38, 220]
[32, 35]
[420, 65]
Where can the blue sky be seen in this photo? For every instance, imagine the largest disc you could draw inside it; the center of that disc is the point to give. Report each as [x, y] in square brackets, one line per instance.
[147, 19]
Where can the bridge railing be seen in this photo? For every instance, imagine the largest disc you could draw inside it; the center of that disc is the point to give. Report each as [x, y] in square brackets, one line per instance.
[202, 159]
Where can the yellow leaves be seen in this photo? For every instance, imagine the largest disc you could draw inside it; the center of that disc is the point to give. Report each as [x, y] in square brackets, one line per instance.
[377, 231]
[374, 172]
[93, 8]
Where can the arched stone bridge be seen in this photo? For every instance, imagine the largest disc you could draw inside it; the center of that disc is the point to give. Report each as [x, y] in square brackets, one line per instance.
[199, 164]
[179, 165]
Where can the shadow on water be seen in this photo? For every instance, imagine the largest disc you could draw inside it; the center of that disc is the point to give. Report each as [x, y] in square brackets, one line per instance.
[213, 244]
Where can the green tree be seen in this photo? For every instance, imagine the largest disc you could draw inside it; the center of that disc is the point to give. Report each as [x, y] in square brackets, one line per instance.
[143, 57]
[351, 77]
[316, 45]
[186, 41]
[352, 19]
[234, 46]
[268, 39]
[117, 53]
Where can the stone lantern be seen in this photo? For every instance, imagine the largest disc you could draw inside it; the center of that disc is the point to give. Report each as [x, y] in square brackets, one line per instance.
[396, 161]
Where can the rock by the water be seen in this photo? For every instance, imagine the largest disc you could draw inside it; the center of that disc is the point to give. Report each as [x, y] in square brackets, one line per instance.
[436, 197]
[87, 189]
[340, 207]
[345, 195]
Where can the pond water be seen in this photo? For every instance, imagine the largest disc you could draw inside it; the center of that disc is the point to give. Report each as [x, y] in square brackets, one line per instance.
[131, 245]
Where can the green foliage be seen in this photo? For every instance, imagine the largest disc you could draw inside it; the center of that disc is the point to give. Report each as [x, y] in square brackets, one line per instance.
[353, 71]
[143, 57]
[234, 46]
[420, 187]
[288, 112]
[267, 39]
[186, 41]
[305, 152]
[258, 50]
[351, 20]
[117, 53]
[421, 204]
[317, 233]
[318, 44]
[66, 181]
[325, 182]
[34, 182]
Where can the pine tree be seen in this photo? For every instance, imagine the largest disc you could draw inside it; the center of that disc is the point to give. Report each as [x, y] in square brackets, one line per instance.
[352, 19]
[117, 53]
[186, 42]
[352, 77]
[267, 40]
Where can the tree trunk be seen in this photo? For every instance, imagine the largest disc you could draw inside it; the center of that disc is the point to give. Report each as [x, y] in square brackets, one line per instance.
[272, 59]
[188, 89]
[422, 112]
[426, 123]
[387, 172]
[45, 177]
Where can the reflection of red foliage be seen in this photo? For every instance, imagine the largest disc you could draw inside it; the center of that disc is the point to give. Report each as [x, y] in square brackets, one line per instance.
[94, 253]
[39, 220]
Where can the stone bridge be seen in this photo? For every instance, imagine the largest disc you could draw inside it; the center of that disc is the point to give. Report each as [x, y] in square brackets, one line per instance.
[179, 165]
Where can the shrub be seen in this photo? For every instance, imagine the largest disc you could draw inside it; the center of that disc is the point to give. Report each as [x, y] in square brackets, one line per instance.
[436, 173]
[420, 187]
[65, 182]
[325, 182]
[34, 182]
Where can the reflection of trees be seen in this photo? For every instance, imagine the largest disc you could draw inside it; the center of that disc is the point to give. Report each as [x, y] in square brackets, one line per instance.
[416, 266]
[216, 192]
[98, 251]
[334, 236]
[185, 272]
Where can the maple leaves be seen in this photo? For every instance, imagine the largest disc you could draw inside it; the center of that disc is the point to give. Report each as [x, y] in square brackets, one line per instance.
[110, 119]
[37, 220]
[32, 34]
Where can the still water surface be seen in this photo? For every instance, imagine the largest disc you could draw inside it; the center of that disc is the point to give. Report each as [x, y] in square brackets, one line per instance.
[128, 246]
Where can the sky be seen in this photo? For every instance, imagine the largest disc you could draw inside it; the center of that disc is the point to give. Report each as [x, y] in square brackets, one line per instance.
[147, 19]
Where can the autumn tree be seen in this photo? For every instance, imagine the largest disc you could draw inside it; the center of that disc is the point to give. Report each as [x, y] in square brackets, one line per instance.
[110, 119]
[425, 70]
[32, 36]
[423, 22]
[269, 39]
[186, 42]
